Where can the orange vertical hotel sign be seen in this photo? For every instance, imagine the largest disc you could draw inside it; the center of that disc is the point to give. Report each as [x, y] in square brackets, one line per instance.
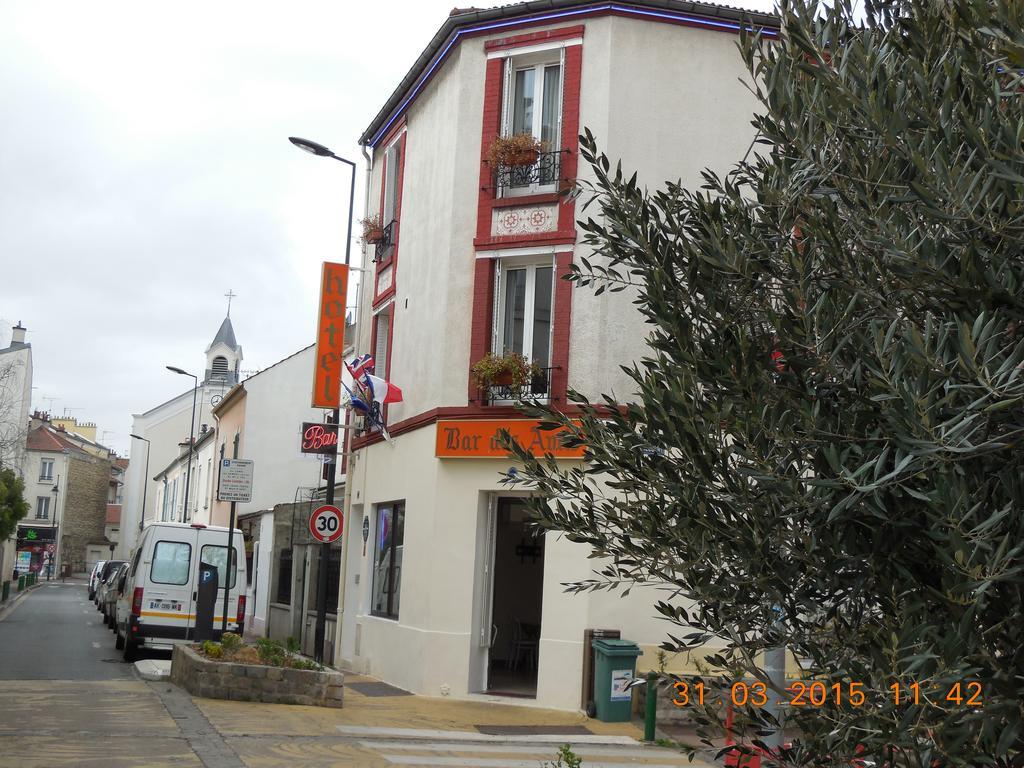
[330, 336]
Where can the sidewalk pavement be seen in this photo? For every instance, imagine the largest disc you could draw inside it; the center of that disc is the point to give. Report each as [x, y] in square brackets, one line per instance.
[382, 726]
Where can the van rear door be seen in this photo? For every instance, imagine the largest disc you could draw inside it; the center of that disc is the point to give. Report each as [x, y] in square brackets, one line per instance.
[168, 597]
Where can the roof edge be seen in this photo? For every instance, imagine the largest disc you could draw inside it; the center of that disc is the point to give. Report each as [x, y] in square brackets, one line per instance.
[540, 11]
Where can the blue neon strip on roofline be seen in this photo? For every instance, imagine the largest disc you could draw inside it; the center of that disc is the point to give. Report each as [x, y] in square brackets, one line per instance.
[701, 20]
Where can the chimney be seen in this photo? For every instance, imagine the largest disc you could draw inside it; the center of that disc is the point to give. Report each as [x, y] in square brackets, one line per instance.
[17, 334]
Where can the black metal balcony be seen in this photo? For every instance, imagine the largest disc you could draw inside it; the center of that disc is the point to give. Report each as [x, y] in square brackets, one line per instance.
[383, 247]
[544, 171]
[537, 388]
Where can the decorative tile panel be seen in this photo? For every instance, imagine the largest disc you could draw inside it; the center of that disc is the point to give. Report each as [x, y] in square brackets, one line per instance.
[525, 220]
[384, 280]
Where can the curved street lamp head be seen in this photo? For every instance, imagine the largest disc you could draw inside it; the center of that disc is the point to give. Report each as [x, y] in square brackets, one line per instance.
[178, 370]
[138, 437]
[311, 146]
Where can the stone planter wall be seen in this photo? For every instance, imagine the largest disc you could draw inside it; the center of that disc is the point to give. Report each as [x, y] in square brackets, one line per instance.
[254, 682]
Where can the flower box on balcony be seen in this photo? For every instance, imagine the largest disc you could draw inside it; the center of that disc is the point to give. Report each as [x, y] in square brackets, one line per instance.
[514, 151]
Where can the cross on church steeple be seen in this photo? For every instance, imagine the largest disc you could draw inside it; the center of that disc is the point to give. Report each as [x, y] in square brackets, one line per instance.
[229, 296]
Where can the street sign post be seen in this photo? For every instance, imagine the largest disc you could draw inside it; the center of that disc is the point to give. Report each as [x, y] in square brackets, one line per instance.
[235, 482]
[326, 523]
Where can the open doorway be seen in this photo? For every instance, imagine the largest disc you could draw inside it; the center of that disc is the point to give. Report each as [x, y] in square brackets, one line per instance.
[516, 601]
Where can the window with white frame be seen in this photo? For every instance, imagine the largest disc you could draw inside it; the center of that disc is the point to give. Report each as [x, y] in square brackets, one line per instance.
[46, 469]
[524, 299]
[42, 507]
[532, 104]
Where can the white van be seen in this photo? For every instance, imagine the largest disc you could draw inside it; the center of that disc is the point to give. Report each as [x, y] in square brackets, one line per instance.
[156, 602]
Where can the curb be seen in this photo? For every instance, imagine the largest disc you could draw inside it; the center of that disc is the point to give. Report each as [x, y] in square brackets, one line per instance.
[153, 670]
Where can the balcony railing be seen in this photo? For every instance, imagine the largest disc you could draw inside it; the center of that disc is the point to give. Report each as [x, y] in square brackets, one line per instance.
[537, 388]
[541, 173]
[383, 247]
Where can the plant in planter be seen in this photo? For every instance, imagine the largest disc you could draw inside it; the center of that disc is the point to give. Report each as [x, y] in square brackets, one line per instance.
[373, 230]
[511, 370]
[514, 151]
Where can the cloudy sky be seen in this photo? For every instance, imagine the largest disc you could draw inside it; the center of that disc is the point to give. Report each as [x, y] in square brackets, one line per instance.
[145, 171]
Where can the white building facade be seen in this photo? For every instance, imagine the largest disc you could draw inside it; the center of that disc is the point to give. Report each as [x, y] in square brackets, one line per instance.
[15, 404]
[157, 435]
[447, 590]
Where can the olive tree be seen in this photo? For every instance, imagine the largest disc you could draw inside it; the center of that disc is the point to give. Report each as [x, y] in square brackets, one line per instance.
[824, 446]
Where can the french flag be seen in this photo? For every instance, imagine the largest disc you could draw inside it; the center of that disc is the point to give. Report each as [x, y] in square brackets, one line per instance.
[383, 392]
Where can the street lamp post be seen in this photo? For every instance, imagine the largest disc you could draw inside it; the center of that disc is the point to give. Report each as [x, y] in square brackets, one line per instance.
[325, 549]
[145, 481]
[56, 527]
[191, 435]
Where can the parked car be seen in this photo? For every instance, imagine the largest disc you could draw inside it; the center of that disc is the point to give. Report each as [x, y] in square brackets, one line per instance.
[93, 576]
[101, 580]
[110, 593]
[156, 607]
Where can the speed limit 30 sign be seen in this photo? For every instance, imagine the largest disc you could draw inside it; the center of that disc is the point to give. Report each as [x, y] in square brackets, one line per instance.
[325, 523]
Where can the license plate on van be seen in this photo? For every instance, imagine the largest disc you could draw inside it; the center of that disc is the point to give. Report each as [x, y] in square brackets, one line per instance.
[164, 605]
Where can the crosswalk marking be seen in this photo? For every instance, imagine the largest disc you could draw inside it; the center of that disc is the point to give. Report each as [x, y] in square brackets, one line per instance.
[487, 762]
[474, 736]
[451, 746]
[472, 749]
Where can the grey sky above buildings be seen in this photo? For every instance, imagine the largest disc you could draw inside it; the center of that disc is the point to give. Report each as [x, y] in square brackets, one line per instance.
[145, 171]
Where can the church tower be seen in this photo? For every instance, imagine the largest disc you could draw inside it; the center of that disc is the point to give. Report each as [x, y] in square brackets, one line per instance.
[223, 356]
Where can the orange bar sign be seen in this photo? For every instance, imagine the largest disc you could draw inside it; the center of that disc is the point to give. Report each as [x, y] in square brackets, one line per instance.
[479, 439]
[330, 336]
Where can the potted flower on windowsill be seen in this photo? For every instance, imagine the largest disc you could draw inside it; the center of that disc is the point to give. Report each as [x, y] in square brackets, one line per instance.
[509, 370]
[514, 151]
[373, 231]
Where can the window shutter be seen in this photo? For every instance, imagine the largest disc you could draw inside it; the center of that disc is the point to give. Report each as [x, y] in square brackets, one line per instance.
[506, 99]
[561, 94]
[495, 309]
[380, 347]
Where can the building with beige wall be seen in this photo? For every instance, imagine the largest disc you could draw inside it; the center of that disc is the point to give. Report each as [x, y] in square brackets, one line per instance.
[451, 591]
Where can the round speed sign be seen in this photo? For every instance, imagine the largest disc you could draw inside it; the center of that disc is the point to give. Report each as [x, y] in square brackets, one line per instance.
[325, 523]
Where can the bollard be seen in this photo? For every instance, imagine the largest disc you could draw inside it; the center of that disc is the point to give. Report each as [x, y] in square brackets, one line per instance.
[652, 706]
[21, 582]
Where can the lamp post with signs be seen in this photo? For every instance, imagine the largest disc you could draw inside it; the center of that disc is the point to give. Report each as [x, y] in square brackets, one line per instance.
[145, 481]
[234, 484]
[329, 351]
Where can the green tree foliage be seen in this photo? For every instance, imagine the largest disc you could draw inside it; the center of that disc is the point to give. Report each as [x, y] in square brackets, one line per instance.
[13, 506]
[824, 450]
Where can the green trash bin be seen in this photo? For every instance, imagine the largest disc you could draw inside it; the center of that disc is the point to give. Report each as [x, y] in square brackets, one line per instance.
[614, 667]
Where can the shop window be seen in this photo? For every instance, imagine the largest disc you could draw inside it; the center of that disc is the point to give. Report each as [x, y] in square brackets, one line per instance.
[284, 577]
[387, 559]
[333, 579]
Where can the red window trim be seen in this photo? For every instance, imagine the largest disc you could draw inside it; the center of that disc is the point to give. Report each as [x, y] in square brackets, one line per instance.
[386, 373]
[483, 279]
[531, 38]
[392, 258]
